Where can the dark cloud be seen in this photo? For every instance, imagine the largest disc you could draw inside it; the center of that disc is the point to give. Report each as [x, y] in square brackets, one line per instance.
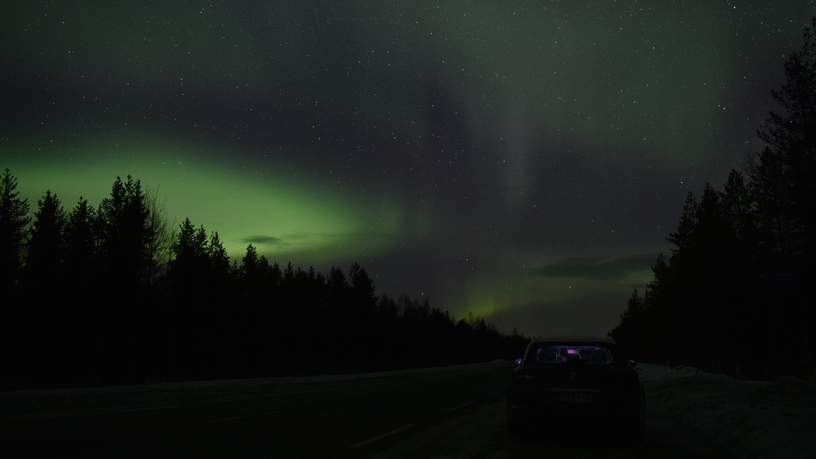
[310, 236]
[263, 239]
[597, 268]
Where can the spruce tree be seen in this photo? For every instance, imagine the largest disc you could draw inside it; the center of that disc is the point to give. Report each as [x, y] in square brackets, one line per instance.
[46, 244]
[683, 237]
[80, 242]
[736, 206]
[13, 221]
[218, 259]
[250, 262]
[189, 265]
[782, 177]
[126, 234]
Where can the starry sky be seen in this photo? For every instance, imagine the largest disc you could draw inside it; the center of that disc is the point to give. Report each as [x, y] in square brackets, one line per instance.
[522, 161]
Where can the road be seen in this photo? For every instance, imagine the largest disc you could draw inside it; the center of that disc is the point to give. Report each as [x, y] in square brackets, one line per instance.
[276, 417]
[480, 432]
[432, 413]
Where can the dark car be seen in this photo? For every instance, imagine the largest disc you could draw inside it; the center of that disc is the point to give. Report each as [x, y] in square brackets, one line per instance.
[576, 381]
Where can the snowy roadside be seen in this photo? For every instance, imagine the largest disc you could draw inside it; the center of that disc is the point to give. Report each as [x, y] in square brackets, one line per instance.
[752, 419]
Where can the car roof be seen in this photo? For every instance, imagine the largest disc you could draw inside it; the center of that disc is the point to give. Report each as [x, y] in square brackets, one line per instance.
[573, 339]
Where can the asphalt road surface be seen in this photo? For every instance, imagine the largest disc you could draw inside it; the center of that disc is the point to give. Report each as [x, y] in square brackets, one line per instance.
[480, 432]
[432, 413]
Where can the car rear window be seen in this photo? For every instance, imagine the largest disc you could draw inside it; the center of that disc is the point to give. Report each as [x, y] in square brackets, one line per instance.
[553, 354]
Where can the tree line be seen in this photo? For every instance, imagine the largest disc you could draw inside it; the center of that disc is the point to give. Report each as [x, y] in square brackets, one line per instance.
[735, 295]
[108, 294]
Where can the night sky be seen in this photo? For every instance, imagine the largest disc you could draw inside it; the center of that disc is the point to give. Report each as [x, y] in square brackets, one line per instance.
[522, 161]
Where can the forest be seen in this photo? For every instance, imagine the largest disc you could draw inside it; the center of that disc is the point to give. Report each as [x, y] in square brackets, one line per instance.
[108, 294]
[736, 293]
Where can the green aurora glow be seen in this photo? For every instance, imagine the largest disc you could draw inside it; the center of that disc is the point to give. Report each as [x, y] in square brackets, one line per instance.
[282, 216]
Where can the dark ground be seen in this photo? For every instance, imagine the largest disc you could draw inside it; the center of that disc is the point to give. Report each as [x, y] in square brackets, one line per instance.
[442, 413]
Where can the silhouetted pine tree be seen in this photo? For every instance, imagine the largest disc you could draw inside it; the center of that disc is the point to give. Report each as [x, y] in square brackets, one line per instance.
[125, 237]
[782, 177]
[683, 237]
[45, 290]
[736, 208]
[188, 274]
[46, 245]
[17, 321]
[218, 260]
[126, 234]
[250, 264]
[187, 270]
[362, 306]
[784, 193]
[80, 244]
[13, 221]
[632, 327]
[159, 245]
[81, 273]
[740, 278]
[219, 323]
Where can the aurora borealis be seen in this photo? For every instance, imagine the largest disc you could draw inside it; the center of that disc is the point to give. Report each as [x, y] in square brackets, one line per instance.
[521, 161]
[245, 205]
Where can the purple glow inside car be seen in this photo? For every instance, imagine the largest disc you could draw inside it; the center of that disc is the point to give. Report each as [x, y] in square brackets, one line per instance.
[572, 351]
